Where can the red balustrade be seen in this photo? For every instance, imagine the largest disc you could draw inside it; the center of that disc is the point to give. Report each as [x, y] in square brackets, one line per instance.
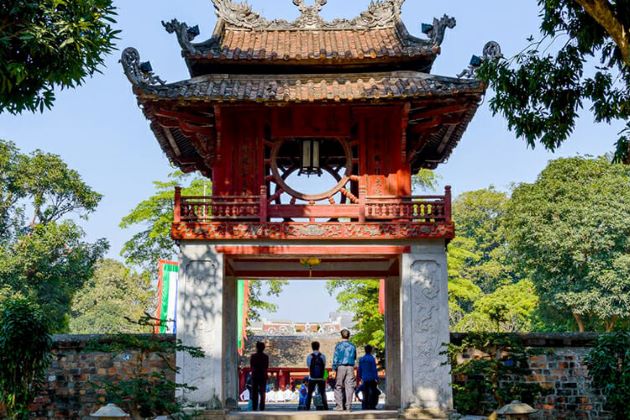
[421, 209]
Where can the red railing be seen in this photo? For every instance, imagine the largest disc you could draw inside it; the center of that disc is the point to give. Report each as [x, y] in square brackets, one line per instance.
[422, 209]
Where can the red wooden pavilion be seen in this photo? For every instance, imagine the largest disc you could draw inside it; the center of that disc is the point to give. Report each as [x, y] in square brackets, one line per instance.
[270, 99]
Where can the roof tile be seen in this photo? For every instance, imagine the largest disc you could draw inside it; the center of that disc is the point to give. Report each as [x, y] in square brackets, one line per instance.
[295, 45]
[302, 88]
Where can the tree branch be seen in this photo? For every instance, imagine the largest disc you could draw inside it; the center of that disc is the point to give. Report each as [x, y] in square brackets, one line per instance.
[601, 11]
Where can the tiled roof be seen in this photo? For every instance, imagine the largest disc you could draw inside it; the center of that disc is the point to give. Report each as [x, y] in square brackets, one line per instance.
[312, 88]
[315, 45]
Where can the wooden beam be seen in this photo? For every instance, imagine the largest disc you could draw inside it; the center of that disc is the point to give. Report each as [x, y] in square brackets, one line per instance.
[205, 121]
[312, 250]
[313, 274]
[435, 112]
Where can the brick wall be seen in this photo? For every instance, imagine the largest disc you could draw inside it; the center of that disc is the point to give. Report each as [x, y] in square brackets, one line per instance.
[559, 368]
[68, 392]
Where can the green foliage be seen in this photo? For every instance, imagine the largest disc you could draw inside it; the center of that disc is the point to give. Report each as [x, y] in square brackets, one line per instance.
[146, 394]
[489, 371]
[50, 44]
[570, 230]
[108, 299]
[541, 90]
[44, 256]
[258, 290]
[486, 291]
[153, 243]
[154, 216]
[361, 298]
[25, 346]
[425, 179]
[510, 308]
[609, 366]
[481, 239]
[462, 291]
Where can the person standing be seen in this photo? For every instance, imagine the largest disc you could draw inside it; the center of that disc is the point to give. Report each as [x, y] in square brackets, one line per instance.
[368, 376]
[343, 365]
[316, 363]
[259, 363]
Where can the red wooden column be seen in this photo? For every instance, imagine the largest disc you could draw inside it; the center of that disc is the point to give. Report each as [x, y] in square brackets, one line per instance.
[447, 204]
[177, 210]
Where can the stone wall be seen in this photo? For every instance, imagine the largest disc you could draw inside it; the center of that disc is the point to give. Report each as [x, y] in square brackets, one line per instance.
[70, 391]
[559, 368]
[289, 351]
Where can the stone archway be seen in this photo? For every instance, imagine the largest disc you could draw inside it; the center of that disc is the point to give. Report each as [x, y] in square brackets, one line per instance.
[416, 313]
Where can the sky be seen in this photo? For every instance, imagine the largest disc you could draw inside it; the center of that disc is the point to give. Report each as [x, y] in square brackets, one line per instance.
[99, 130]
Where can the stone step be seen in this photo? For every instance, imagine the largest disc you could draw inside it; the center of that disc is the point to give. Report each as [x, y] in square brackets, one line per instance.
[314, 415]
[278, 414]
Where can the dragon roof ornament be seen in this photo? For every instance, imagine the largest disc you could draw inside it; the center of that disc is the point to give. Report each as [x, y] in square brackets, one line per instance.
[379, 14]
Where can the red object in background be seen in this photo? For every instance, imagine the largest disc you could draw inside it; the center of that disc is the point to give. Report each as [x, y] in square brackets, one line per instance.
[381, 297]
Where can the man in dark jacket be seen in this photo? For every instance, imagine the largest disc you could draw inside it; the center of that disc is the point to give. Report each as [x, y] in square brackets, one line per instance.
[316, 363]
[368, 375]
[259, 363]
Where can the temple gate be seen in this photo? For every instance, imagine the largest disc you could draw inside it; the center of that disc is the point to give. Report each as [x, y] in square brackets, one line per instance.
[269, 100]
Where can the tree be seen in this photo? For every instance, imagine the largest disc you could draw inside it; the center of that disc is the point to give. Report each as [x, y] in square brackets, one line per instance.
[25, 345]
[155, 216]
[462, 291]
[153, 243]
[113, 296]
[583, 57]
[50, 44]
[486, 291]
[44, 256]
[481, 241]
[570, 230]
[361, 298]
[609, 366]
[510, 308]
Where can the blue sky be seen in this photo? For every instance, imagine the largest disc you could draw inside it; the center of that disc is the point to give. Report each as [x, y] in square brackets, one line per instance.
[98, 129]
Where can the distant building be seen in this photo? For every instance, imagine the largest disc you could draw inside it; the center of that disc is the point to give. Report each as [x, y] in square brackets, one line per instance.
[335, 323]
[289, 342]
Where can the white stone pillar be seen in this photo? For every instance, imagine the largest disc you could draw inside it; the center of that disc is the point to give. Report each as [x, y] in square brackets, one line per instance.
[200, 324]
[392, 342]
[230, 350]
[426, 380]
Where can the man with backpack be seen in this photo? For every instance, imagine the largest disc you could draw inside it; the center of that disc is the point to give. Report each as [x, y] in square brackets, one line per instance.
[316, 363]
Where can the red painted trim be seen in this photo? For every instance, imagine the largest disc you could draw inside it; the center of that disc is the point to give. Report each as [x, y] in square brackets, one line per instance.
[312, 250]
[372, 232]
[294, 274]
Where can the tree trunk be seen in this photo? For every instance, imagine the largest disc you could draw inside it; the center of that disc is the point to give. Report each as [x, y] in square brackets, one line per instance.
[609, 324]
[603, 14]
[579, 321]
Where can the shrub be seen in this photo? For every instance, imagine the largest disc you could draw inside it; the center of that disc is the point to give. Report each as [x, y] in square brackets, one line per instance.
[489, 370]
[25, 345]
[146, 394]
[609, 366]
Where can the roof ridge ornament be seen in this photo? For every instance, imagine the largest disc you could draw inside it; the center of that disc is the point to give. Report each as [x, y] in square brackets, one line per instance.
[491, 52]
[185, 35]
[437, 30]
[379, 14]
[139, 73]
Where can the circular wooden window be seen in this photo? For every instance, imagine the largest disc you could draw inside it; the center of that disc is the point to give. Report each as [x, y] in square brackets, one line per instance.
[335, 158]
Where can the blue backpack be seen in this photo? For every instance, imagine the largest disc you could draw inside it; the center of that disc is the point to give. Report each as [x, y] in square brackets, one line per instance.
[316, 369]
